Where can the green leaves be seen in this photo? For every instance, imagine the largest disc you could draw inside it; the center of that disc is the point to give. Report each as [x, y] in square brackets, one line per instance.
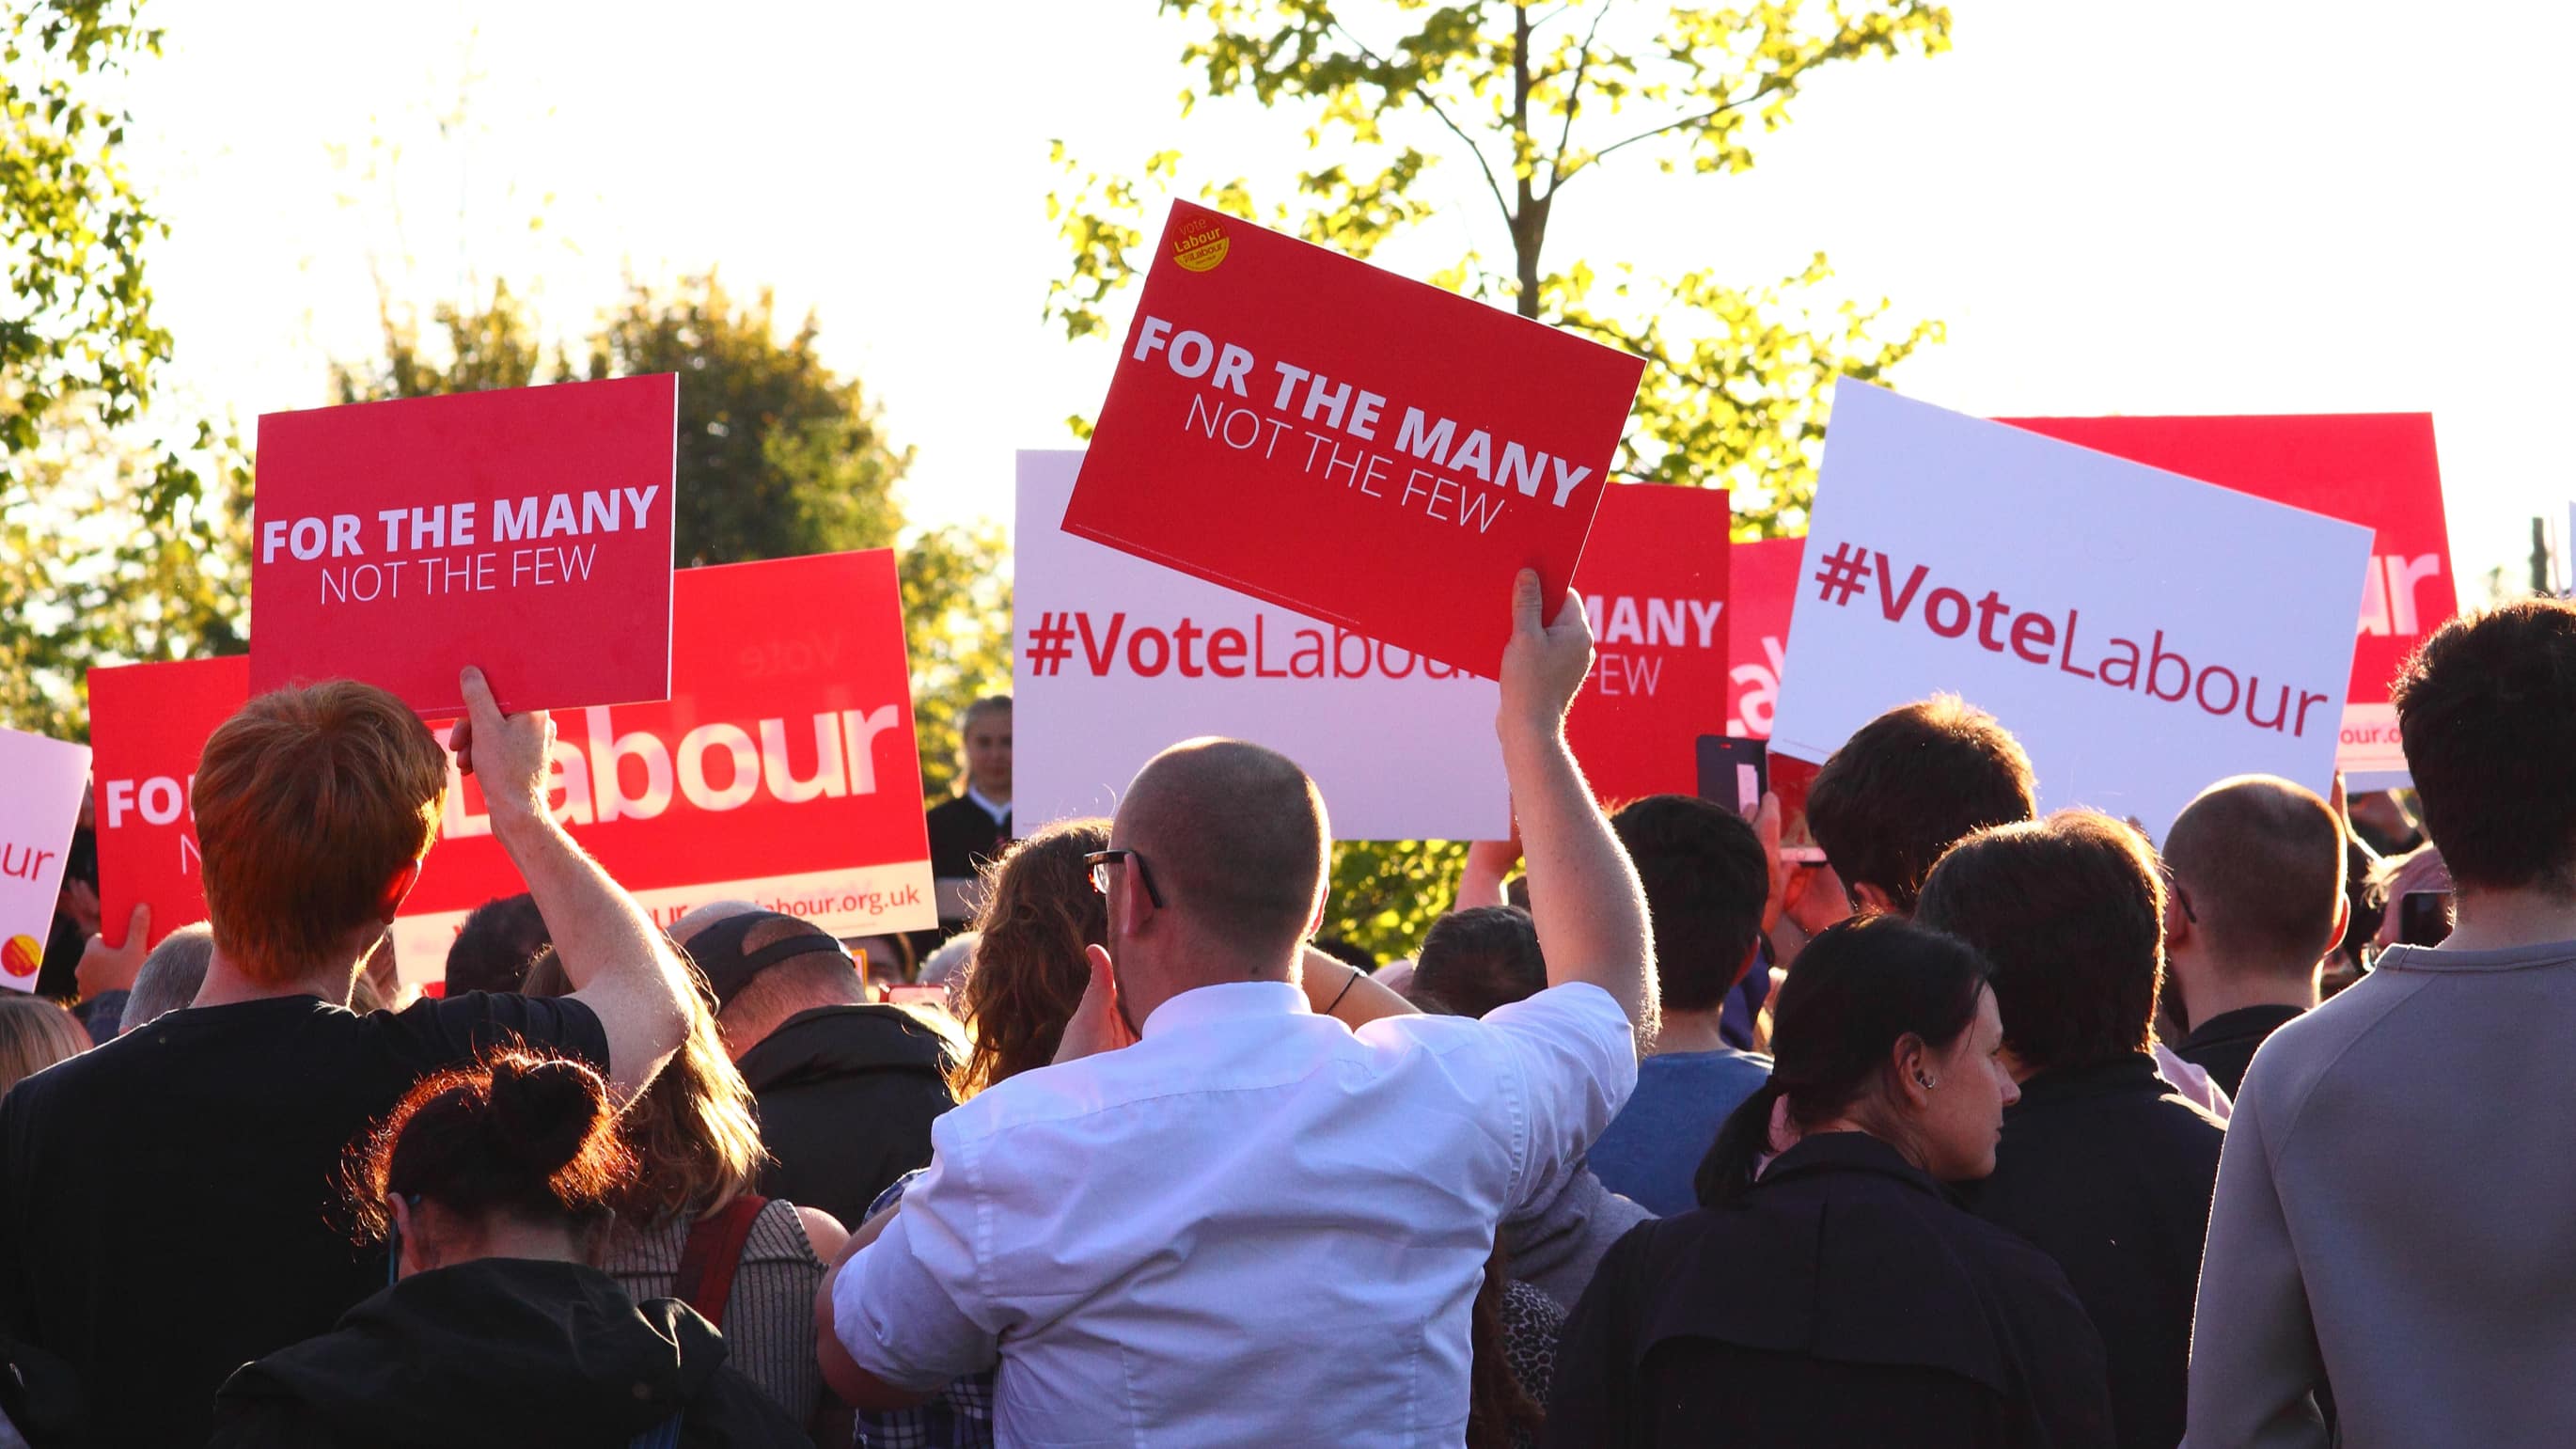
[1384, 894]
[113, 546]
[76, 320]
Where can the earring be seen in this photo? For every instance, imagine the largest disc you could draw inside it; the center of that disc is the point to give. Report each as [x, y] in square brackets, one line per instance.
[1926, 1082]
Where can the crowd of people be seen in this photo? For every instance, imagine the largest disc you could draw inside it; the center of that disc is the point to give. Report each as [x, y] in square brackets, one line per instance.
[1990, 1128]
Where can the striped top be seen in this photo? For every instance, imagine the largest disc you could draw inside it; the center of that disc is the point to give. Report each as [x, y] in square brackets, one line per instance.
[769, 1318]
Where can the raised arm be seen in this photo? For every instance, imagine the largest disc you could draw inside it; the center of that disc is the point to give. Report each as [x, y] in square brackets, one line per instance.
[1584, 897]
[1346, 993]
[621, 967]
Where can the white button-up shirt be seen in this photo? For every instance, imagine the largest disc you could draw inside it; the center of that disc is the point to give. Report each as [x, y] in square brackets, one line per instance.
[1254, 1226]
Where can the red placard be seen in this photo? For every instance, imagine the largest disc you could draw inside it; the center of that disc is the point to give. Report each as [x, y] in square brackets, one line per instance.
[1761, 588]
[1654, 582]
[147, 724]
[2375, 469]
[527, 532]
[782, 769]
[1338, 440]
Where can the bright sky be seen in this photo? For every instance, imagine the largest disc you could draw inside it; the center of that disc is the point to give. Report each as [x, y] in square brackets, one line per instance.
[2194, 206]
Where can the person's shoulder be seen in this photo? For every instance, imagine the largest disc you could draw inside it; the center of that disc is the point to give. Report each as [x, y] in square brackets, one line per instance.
[1999, 1252]
[1576, 1003]
[437, 1030]
[2303, 1051]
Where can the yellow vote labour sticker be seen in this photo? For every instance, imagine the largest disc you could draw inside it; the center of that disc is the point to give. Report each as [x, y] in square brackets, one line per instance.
[1200, 246]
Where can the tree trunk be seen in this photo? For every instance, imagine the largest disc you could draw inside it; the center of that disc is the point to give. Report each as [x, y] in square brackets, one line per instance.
[1529, 221]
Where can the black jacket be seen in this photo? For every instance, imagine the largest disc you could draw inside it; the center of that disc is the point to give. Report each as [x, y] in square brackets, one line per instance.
[2111, 1172]
[1842, 1301]
[501, 1353]
[2224, 1045]
[963, 837]
[846, 1097]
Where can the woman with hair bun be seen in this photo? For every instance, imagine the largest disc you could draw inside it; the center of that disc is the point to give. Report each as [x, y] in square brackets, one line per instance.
[1827, 1291]
[493, 1183]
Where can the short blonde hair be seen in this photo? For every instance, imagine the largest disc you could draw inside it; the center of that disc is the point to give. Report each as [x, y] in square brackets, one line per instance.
[35, 1033]
[308, 803]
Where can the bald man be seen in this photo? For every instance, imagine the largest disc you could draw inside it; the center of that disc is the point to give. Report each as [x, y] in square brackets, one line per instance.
[1225, 1216]
[2258, 901]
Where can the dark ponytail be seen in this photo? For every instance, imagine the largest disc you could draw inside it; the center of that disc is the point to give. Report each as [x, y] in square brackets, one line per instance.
[518, 1132]
[1858, 988]
[1742, 1138]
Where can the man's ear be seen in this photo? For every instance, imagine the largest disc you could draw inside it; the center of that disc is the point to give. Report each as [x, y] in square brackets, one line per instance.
[1315, 921]
[2179, 927]
[1872, 898]
[407, 1243]
[397, 890]
[2343, 921]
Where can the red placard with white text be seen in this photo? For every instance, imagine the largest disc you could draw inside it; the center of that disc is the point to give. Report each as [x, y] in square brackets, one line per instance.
[2375, 469]
[1761, 589]
[782, 770]
[526, 532]
[1364, 449]
[147, 725]
[1654, 583]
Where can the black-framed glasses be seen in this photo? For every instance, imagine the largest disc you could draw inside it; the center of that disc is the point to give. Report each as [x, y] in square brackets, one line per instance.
[1101, 860]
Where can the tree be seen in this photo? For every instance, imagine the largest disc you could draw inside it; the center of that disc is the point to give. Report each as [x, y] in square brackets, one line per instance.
[778, 456]
[1520, 101]
[1536, 98]
[76, 328]
[112, 547]
[91, 575]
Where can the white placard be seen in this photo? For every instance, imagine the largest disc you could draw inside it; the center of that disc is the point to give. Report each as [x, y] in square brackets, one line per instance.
[38, 811]
[2143, 634]
[1118, 658]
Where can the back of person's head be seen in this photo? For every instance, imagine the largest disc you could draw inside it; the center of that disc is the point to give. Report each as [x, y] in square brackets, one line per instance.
[170, 976]
[1234, 841]
[492, 949]
[2070, 910]
[314, 807]
[35, 1033]
[1706, 878]
[1867, 994]
[1027, 972]
[1477, 959]
[946, 964]
[765, 967]
[2487, 711]
[516, 1136]
[1908, 785]
[2258, 864]
[693, 1133]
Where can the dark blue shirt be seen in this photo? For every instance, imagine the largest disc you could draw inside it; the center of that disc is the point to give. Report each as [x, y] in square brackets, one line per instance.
[1651, 1150]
